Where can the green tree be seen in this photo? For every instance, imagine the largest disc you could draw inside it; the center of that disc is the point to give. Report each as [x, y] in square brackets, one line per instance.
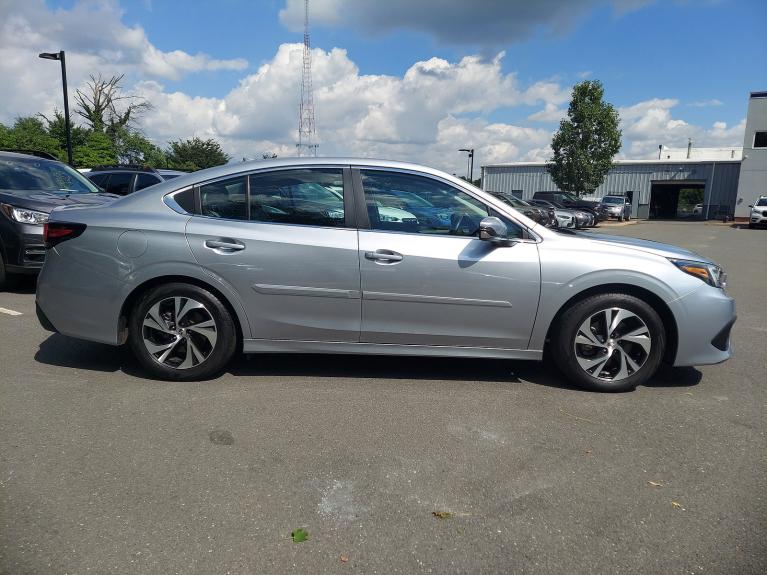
[56, 128]
[134, 148]
[586, 142]
[196, 154]
[96, 150]
[31, 133]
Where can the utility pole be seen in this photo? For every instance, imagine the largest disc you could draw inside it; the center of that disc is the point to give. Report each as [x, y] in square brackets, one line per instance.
[68, 129]
[307, 132]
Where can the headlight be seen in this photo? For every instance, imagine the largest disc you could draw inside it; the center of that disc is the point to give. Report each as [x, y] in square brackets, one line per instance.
[24, 216]
[709, 273]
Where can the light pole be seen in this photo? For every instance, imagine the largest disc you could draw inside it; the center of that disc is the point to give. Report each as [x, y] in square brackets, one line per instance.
[60, 56]
[471, 162]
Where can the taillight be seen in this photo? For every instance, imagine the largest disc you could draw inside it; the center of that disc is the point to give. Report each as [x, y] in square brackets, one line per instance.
[56, 232]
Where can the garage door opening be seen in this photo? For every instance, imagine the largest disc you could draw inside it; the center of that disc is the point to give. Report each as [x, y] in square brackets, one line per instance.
[674, 201]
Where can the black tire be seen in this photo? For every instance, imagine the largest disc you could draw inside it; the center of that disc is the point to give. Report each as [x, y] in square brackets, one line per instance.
[563, 343]
[620, 219]
[751, 226]
[218, 354]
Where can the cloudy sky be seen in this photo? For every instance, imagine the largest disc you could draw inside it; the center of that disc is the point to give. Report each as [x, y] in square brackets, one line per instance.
[399, 79]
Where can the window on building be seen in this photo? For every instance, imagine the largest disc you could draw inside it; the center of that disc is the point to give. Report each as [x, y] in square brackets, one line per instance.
[760, 139]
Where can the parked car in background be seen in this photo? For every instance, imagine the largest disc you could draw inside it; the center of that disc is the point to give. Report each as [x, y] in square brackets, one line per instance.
[252, 257]
[126, 179]
[697, 210]
[570, 218]
[571, 202]
[30, 187]
[617, 207]
[535, 213]
[758, 215]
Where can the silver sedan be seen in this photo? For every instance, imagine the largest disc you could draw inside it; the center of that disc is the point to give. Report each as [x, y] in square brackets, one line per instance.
[328, 255]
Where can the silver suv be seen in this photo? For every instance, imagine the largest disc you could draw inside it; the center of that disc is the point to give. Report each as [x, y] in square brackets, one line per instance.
[617, 207]
[323, 255]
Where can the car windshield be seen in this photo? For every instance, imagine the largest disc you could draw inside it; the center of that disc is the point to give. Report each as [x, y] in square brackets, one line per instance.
[613, 200]
[762, 202]
[43, 175]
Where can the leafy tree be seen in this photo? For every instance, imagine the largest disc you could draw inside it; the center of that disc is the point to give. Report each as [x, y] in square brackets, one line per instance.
[196, 154]
[586, 142]
[133, 147]
[30, 133]
[57, 129]
[97, 150]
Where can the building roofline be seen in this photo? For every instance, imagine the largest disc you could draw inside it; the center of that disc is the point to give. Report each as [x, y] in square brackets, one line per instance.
[620, 163]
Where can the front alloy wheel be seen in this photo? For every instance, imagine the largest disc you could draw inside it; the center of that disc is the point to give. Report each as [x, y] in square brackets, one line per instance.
[612, 344]
[608, 342]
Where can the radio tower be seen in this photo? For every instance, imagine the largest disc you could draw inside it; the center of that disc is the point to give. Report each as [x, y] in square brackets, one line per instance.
[307, 132]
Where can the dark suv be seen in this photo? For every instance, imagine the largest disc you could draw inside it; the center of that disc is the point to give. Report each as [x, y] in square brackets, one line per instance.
[126, 179]
[30, 187]
[572, 202]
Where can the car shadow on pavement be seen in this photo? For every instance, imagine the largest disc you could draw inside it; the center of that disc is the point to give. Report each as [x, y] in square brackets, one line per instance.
[431, 368]
[61, 351]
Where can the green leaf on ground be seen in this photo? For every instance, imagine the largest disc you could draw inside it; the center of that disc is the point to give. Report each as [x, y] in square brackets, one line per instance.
[299, 536]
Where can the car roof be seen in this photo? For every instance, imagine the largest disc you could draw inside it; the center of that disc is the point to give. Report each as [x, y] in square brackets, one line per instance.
[24, 157]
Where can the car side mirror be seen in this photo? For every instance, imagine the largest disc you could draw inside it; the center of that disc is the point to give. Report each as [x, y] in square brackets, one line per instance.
[493, 230]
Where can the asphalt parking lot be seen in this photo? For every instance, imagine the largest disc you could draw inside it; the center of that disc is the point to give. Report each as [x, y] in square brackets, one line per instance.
[102, 471]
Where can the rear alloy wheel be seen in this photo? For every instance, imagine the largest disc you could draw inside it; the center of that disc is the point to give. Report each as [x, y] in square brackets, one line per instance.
[610, 342]
[182, 332]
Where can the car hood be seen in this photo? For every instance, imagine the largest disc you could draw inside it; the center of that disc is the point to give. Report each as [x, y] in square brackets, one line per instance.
[43, 201]
[657, 248]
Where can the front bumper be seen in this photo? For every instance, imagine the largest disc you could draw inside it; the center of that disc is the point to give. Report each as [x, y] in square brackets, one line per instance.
[23, 247]
[758, 219]
[704, 320]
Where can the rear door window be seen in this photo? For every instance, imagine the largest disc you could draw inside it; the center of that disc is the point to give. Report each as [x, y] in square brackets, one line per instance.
[119, 183]
[227, 199]
[146, 180]
[98, 179]
[309, 197]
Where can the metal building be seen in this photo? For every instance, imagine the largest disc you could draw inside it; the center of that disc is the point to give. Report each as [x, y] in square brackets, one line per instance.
[662, 188]
[753, 170]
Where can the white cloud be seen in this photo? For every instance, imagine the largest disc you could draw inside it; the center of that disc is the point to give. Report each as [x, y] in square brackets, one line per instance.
[425, 115]
[706, 103]
[94, 37]
[648, 124]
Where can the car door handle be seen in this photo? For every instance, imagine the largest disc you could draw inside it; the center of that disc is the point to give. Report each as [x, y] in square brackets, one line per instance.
[221, 245]
[384, 256]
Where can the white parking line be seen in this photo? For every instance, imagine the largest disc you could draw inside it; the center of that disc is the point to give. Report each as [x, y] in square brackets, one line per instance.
[9, 311]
